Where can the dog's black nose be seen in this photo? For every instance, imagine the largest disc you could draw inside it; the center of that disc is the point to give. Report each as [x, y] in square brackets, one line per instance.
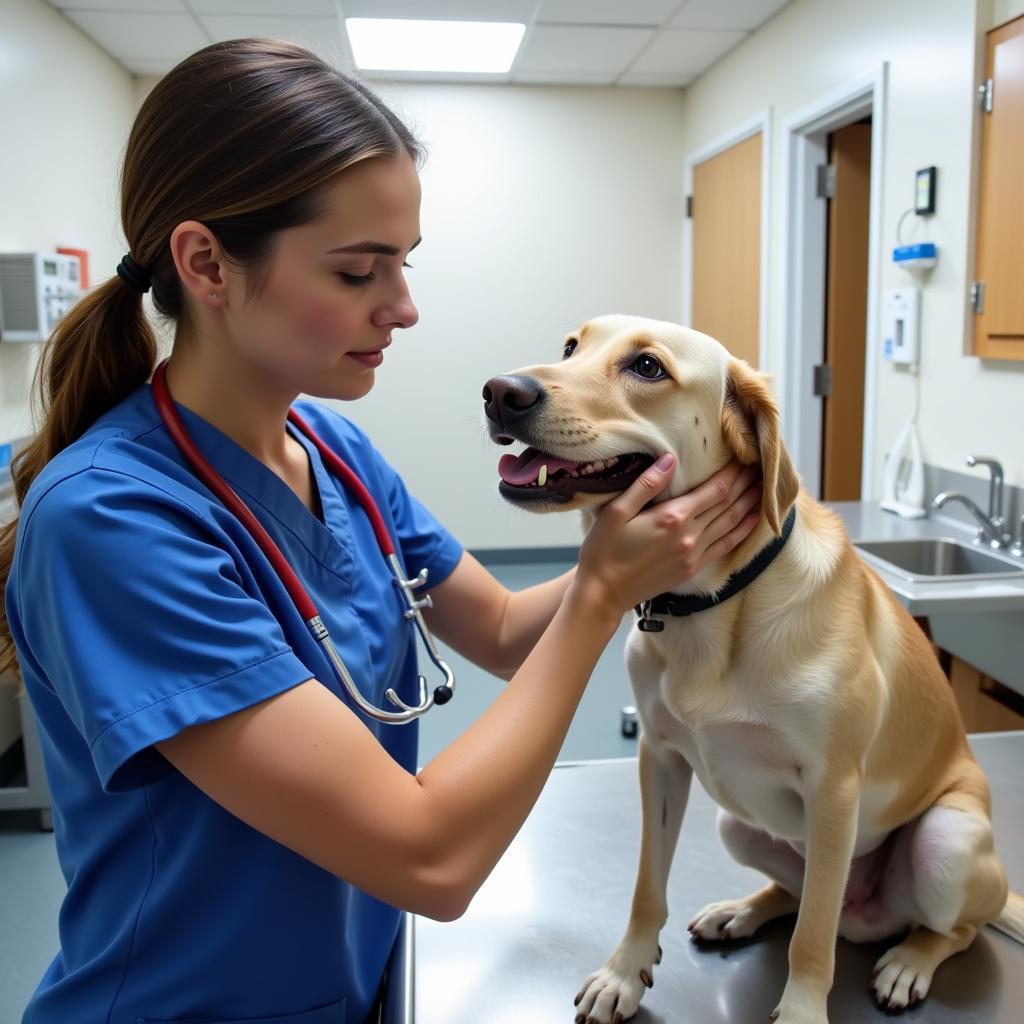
[510, 400]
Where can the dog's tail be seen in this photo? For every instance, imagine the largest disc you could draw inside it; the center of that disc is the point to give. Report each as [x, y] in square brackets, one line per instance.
[1011, 920]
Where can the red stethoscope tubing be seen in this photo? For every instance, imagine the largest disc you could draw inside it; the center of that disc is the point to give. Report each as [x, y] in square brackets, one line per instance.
[213, 480]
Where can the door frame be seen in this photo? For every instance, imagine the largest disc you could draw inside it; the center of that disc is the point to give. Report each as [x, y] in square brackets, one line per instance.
[760, 122]
[802, 331]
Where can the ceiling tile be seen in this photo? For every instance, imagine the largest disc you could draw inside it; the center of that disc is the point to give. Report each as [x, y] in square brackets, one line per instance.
[442, 10]
[566, 48]
[607, 12]
[132, 34]
[133, 6]
[285, 8]
[321, 35]
[656, 81]
[734, 14]
[689, 52]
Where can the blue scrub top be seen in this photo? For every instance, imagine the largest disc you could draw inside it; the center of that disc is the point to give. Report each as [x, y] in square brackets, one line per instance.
[140, 606]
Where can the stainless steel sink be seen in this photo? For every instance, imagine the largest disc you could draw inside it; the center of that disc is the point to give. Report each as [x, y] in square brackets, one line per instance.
[939, 559]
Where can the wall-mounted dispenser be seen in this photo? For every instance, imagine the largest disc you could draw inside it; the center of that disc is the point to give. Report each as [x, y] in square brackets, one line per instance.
[900, 322]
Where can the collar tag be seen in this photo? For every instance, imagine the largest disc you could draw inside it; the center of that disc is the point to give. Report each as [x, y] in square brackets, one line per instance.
[645, 623]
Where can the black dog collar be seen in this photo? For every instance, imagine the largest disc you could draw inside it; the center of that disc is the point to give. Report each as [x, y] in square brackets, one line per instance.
[687, 604]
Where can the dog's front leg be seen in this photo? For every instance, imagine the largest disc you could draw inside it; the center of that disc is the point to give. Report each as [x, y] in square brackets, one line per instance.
[613, 993]
[831, 832]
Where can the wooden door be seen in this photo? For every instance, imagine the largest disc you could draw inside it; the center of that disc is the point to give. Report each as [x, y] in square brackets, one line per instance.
[846, 299]
[999, 327]
[727, 248]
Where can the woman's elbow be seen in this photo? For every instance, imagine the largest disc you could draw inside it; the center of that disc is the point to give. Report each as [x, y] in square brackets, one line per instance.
[444, 900]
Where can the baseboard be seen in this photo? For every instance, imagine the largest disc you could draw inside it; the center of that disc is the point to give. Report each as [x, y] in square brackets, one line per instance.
[524, 556]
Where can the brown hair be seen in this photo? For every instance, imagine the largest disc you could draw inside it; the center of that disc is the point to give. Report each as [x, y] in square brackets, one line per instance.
[243, 136]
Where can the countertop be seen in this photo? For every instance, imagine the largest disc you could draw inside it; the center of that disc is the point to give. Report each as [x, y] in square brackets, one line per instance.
[866, 521]
[557, 903]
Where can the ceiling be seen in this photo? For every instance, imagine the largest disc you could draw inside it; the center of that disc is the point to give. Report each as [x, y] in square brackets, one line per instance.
[577, 42]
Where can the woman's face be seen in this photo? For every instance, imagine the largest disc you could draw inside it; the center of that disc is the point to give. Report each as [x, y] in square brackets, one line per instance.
[324, 316]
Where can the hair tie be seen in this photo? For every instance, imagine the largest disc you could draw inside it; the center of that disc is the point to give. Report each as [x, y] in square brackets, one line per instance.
[132, 274]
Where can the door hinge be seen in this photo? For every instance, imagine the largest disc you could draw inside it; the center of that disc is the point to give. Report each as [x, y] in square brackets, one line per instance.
[823, 380]
[689, 206]
[977, 296]
[985, 95]
[825, 186]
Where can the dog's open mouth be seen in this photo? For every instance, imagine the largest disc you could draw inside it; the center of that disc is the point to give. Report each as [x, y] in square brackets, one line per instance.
[535, 474]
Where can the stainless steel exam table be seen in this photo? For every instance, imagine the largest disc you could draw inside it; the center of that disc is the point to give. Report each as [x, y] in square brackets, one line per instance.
[557, 904]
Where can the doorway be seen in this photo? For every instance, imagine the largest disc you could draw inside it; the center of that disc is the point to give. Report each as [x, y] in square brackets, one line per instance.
[725, 207]
[847, 187]
[807, 135]
[727, 184]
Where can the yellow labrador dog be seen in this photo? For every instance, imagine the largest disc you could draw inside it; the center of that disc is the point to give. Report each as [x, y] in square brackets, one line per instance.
[808, 702]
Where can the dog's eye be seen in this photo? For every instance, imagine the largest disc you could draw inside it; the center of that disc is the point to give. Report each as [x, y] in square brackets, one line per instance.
[570, 347]
[649, 367]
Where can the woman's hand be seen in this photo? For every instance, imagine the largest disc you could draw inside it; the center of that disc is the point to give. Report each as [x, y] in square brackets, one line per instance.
[629, 555]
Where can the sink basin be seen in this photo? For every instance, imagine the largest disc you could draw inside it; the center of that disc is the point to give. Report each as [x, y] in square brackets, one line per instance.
[939, 559]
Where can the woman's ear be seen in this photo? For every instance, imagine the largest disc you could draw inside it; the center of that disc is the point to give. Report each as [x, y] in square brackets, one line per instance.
[750, 425]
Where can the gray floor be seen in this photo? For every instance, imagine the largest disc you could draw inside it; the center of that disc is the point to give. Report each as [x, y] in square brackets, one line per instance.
[31, 886]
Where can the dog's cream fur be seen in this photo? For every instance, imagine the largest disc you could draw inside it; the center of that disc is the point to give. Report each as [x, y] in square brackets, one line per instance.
[810, 705]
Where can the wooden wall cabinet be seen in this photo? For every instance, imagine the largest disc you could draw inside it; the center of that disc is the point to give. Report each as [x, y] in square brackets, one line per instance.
[998, 289]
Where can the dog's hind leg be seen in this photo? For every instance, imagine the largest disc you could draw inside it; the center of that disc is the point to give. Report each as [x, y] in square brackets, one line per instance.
[958, 884]
[740, 918]
[613, 993]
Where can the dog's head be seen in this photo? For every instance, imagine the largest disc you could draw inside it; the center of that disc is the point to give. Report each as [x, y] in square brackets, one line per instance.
[626, 390]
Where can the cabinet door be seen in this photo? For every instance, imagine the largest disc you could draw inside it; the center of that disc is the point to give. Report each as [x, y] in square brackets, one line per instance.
[999, 328]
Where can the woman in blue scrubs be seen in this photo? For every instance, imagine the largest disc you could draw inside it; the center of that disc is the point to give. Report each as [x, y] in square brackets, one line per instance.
[237, 841]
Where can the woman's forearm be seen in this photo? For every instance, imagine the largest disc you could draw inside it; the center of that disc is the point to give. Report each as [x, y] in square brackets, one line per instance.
[481, 787]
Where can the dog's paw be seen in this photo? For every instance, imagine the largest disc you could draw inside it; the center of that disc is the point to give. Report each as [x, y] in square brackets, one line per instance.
[727, 919]
[799, 1005]
[901, 978]
[783, 1014]
[612, 994]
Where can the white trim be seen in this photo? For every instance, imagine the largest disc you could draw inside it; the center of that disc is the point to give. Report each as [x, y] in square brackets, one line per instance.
[761, 122]
[802, 328]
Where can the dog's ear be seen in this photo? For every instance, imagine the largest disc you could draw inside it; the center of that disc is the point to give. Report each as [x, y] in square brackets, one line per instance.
[750, 425]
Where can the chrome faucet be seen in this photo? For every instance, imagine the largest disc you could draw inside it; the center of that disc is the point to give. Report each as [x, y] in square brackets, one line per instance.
[989, 526]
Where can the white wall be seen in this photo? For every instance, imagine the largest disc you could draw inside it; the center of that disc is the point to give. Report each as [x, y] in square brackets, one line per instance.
[814, 46]
[1004, 10]
[65, 107]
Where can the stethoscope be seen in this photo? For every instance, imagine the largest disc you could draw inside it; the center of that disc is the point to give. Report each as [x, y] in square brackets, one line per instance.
[443, 693]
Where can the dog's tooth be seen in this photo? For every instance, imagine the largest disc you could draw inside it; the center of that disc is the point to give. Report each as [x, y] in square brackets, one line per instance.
[542, 476]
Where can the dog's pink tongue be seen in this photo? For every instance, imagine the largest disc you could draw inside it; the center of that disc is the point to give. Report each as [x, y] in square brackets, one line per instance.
[519, 470]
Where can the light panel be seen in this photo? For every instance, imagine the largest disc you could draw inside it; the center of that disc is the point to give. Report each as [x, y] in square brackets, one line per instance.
[394, 44]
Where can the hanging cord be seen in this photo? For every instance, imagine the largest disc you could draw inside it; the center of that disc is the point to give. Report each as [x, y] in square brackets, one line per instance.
[899, 224]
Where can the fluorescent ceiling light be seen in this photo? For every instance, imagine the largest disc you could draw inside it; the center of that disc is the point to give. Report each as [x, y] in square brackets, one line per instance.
[394, 44]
